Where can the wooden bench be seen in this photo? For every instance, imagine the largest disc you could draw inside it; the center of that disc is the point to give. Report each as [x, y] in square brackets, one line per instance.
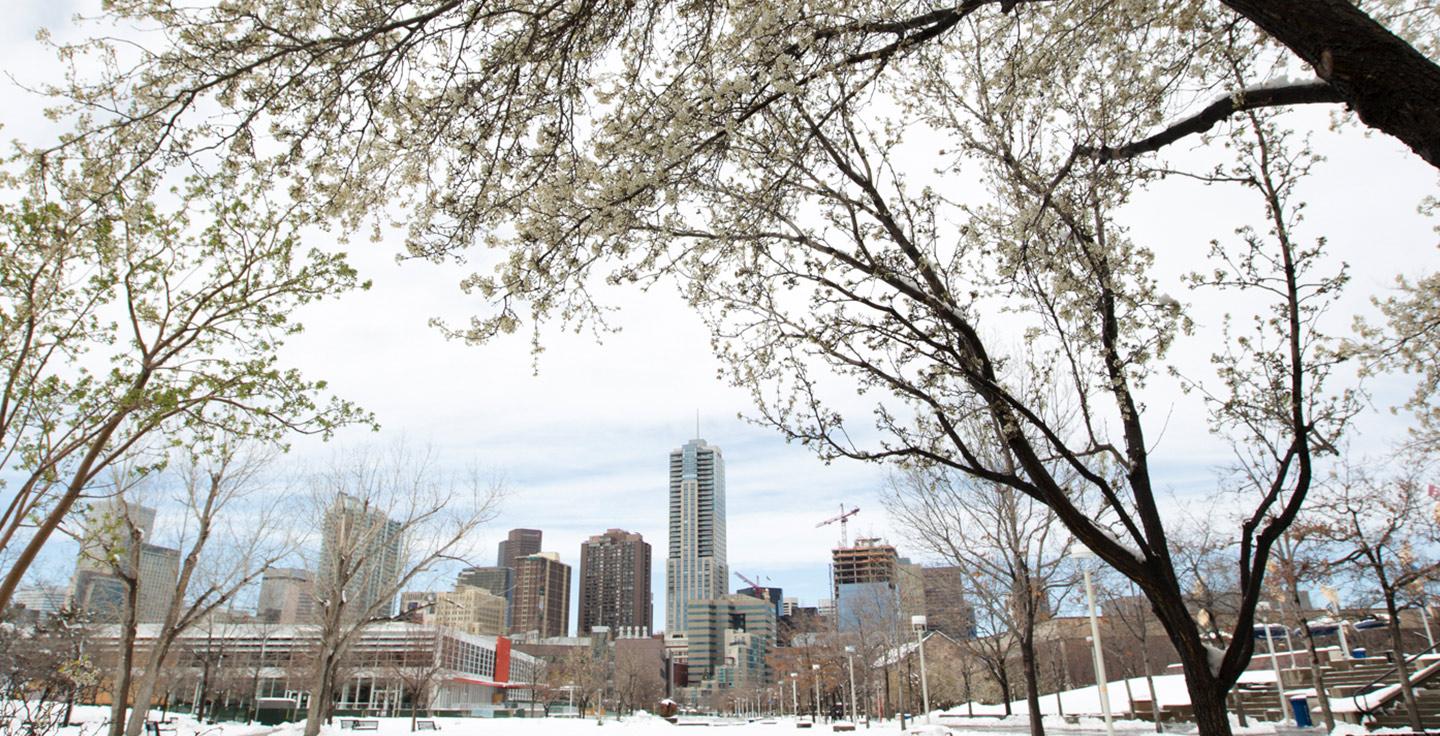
[160, 728]
[426, 725]
[359, 724]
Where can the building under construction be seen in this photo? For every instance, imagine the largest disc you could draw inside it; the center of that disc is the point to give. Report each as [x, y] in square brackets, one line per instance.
[867, 562]
[865, 582]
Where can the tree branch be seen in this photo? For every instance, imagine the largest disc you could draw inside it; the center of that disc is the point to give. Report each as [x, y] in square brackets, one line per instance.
[1249, 99]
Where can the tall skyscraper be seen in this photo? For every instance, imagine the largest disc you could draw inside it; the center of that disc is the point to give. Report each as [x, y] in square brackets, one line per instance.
[360, 552]
[519, 543]
[287, 596]
[542, 595]
[696, 567]
[615, 582]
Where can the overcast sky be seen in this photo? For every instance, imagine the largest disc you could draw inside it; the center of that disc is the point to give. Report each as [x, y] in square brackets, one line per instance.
[583, 444]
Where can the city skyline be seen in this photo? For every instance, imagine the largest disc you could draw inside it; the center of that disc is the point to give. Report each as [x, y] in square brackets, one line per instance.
[578, 426]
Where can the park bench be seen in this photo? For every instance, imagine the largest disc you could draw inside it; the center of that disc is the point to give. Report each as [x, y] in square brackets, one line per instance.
[426, 725]
[160, 728]
[359, 724]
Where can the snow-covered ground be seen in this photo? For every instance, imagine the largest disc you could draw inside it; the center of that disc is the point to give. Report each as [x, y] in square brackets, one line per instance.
[1169, 689]
[92, 719]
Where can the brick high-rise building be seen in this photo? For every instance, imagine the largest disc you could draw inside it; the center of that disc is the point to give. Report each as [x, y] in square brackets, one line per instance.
[542, 595]
[945, 607]
[519, 543]
[615, 582]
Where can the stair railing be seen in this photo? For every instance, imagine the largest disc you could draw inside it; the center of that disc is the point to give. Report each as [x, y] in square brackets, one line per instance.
[1364, 691]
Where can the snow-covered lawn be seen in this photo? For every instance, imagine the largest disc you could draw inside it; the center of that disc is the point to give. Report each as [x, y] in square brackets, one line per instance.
[93, 718]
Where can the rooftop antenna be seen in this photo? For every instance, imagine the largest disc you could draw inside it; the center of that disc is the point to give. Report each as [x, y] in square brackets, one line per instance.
[697, 424]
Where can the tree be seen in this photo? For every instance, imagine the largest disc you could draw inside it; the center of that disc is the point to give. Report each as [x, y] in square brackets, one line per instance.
[387, 517]
[418, 669]
[1011, 546]
[122, 322]
[1382, 531]
[639, 677]
[1409, 341]
[113, 544]
[214, 480]
[1125, 605]
[763, 156]
[42, 666]
[583, 674]
[1297, 561]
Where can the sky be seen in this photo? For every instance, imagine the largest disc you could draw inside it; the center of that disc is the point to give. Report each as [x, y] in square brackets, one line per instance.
[580, 436]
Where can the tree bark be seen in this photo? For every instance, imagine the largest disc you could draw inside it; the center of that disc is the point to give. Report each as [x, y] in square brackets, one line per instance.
[1317, 673]
[130, 614]
[1032, 682]
[1390, 85]
[1150, 683]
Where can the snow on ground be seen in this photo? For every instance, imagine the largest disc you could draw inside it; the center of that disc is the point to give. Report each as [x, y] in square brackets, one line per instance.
[92, 719]
[1170, 689]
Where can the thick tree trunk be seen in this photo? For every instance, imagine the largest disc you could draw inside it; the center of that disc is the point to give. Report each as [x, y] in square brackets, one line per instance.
[320, 688]
[1389, 84]
[1207, 700]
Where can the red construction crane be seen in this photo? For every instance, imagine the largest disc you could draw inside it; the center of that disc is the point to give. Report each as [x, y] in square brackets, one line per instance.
[843, 519]
[752, 583]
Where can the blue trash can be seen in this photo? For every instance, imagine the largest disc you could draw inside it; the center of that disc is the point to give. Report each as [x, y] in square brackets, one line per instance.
[1357, 653]
[1301, 708]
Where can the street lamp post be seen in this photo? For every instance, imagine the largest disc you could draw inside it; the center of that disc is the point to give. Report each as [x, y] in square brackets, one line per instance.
[794, 695]
[1102, 682]
[918, 623]
[1264, 608]
[815, 715]
[850, 661]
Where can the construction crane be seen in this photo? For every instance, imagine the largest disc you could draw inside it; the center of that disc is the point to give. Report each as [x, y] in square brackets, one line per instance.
[755, 586]
[752, 583]
[843, 518]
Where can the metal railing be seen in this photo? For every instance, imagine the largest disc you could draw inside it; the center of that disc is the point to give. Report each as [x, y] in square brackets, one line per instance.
[1369, 687]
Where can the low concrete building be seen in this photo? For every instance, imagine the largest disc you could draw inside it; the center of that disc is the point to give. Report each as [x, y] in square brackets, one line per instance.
[466, 674]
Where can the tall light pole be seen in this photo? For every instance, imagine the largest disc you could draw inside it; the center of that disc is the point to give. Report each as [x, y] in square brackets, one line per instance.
[815, 715]
[1102, 682]
[854, 704]
[918, 623]
[794, 695]
[1264, 608]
